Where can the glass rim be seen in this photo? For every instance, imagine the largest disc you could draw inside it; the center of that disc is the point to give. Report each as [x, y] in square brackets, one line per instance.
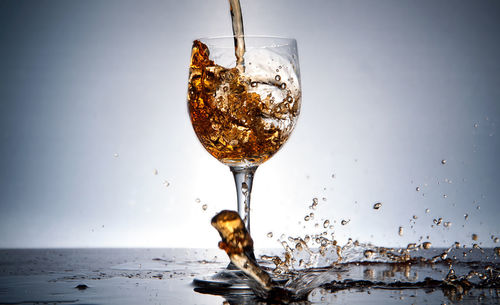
[283, 40]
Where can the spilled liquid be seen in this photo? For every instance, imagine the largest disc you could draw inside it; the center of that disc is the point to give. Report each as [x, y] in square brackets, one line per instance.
[317, 263]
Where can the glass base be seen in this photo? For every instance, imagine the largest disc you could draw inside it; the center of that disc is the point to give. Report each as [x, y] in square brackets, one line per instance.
[224, 280]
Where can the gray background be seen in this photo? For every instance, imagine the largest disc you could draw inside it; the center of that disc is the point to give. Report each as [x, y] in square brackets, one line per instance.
[93, 102]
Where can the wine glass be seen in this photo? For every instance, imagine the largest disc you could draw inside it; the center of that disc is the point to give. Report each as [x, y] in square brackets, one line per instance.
[243, 109]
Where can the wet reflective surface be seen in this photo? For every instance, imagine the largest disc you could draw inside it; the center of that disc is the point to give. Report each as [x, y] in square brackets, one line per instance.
[164, 276]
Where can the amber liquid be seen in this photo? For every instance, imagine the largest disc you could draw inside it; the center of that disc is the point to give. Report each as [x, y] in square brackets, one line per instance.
[238, 120]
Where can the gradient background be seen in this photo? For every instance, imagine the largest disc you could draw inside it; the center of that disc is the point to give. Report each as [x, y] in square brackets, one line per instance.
[93, 102]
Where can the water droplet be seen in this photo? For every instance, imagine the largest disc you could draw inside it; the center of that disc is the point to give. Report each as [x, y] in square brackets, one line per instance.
[447, 224]
[306, 218]
[344, 222]
[368, 253]
[377, 205]
[496, 240]
[333, 176]
[270, 234]
[283, 86]
[445, 196]
[426, 245]
[166, 183]
[277, 78]
[476, 125]
[400, 231]
[466, 216]
[427, 210]
[197, 200]
[326, 223]
[474, 237]
[116, 155]
[497, 251]
[417, 188]
[204, 207]
[155, 172]
[443, 161]
[415, 217]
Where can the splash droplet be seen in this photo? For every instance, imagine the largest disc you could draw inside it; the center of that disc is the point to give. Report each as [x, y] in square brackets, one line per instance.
[270, 234]
[155, 172]
[377, 205]
[326, 223]
[466, 216]
[204, 207]
[447, 224]
[344, 222]
[283, 86]
[166, 183]
[427, 210]
[474, 237]
[116, 155]
[253, 84]
[197, 200]
[368, 253]
[476, 125]
[496, 240]
[417, 188]
[277, 78]
[443, 161]
[426, 245]
[400, 231]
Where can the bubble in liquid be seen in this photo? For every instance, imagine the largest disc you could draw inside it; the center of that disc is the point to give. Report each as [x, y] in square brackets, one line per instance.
[368, 253]
[474, 237]
[443, 161]
[204, 207]
[377, 205]
[270, 234]
[417, 188]
[400, 231]
[427, 245]
[197, 200]
[298, 246]
[326, 223]
[166, 183]
[344, 222]
[283, 86]
[253, 84]
[277, 78]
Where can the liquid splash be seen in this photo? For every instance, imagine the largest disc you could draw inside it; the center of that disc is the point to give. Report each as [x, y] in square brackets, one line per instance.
[317, 262]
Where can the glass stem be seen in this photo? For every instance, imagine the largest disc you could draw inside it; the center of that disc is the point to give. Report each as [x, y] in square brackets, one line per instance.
[243, 178]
